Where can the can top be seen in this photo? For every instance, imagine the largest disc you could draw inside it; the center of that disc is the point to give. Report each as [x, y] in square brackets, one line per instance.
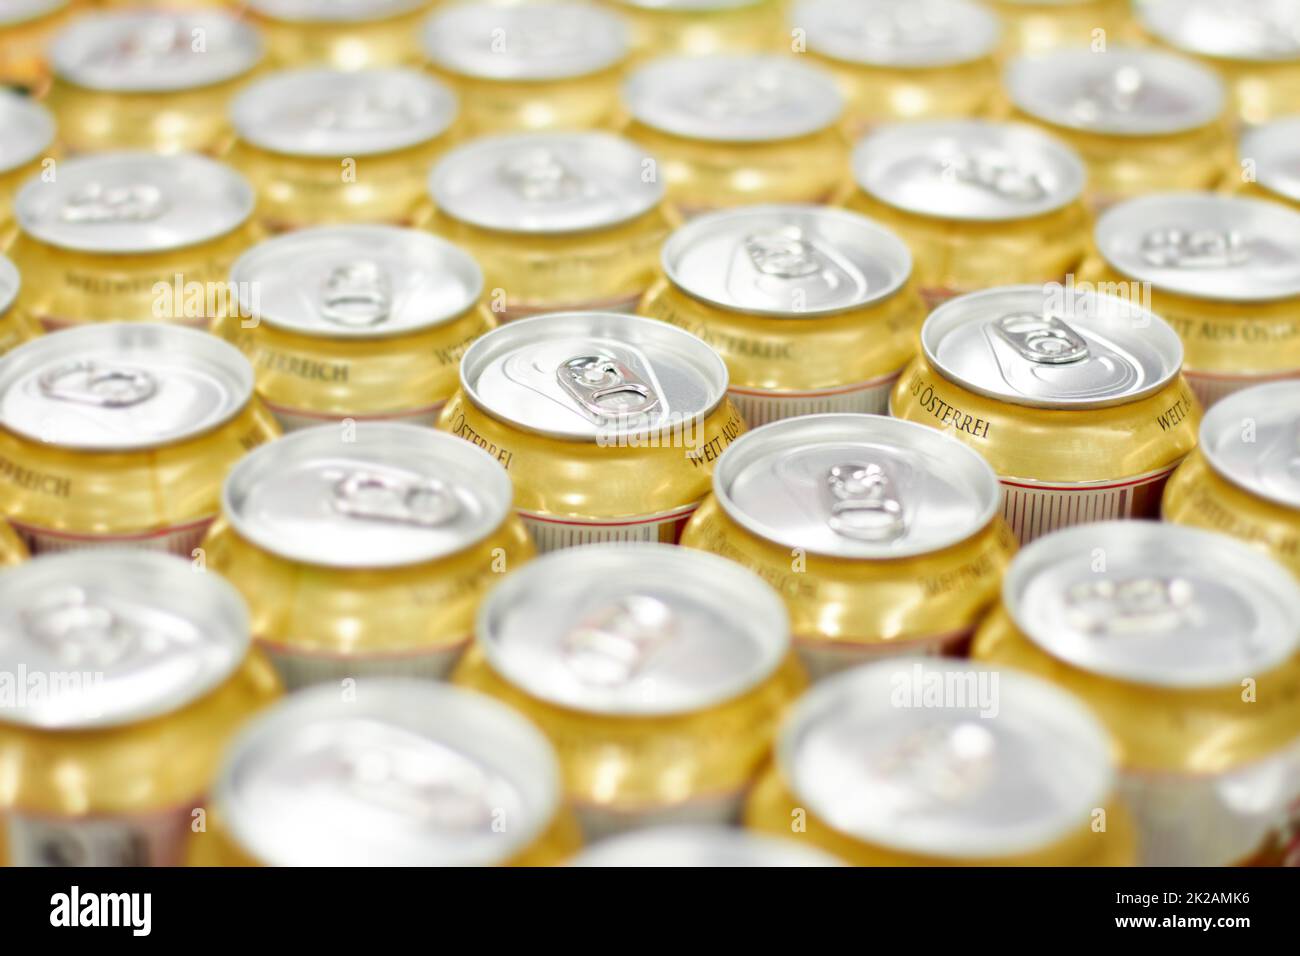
[1258, 30]
[124, 203]
[698, 846]
[496, 41]
[789, 261]
[26, 130]
[593, 376]
[855, 486]
[949, 759]
[545, 182]
[1275, 150]
[333, 11]
[733, 98]
[121, 386]
[122, 635]
[968, 170]
[410, 773]
[389, 495]
[689, 6]
[1252, 438]
[154, 51]
[1229, 248]
[20, 11]
[1122, 92]
[10, 282]
[907, 34]
[1052, 346]
[633, 630]
[333, 113]
[1159, 610]
[356, 282]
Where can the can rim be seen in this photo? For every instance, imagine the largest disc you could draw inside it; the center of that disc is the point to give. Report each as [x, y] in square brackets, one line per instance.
[689, 6]
[312, 11]
[11, 282]
[700, 845]
[1227, 408]
[42, 118]
[1169, 22]
[980, 44]
[1268, 145]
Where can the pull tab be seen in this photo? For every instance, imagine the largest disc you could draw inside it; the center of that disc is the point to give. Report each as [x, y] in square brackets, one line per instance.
[159, 42]
[611, 646]
[1179, 248]
[997, 175]
[79, 632]
[748, 93]
[1043, 339]
[865, 504]
[1115, 92]
[371, 496]
[89, 383]
[368, 110]
[95, 202]
[893, 25]
[538, 175]
[604, 387]
[943, 764]
[783, 253]
[356, 296]
[1140, 605]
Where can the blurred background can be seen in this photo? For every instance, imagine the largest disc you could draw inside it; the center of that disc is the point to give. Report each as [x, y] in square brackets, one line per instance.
[26, 28]
[26, 144]
[342, 34]
[1269, 162]
[703, 27]
[15, 327]
[1038, 26]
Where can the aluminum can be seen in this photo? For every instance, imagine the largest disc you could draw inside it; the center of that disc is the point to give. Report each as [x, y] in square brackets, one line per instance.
[1269, 159]
[26, 141]
[700, 846]
[1194, 670]
[355, 322]
[130, 674]
[1242, 479]
[980, 203]
[529, 68]
[881, 536]
[121, 433]
[608, 424]
[1073, 396]
[735, 130]
[1142, 120]
[149, 80]
[558, 221]
[659, 674]
[15, 328]
[26, 27]
[127, 237]
[1224, 271]
[12, 549]
[1037, 26]
[703, 27]
[340, 34]
[917, 762]
[813, 309]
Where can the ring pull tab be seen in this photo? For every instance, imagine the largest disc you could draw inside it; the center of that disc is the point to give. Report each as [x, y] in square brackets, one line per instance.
[865, 503]
[1042, 339]
[783, 253]
[1178, 248]
[942, 764]
[1116, 92]
[361, 110]
[95, 202]
[370, 496]
[538, 175]
[356, 296]
[413, 777]
[158, 42]
[747, 93]
[997, 175]
[605, 388]
[1139, 605]
[78, 631]
[611, 646]
[90, 383]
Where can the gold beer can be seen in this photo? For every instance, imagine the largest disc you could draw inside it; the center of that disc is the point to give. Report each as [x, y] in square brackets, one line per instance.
[813, 309]
[1039, 26]
[1269, 158]
[735, 130]
[340, 34]
[26, 27]
[1143, 121]
[917, 762]
[121, 434]
[881, 536]
[903, 59]
[520, 68]
[700, 845]
[1224, 271]
[558, 221]
[355, 322]
[132, 674]
[323, 147]
[1186, 643]
[659, 674]
[703, 27]
[15, 328]
[608, 424]
[12, 549]
[127, 237]
[26, 139]
[1242, 479]
[980, 203]
[364, 552]
[1073, 396]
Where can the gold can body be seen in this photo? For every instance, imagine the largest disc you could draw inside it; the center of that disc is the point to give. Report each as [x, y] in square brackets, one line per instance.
[489, 106]
[751, 27]
[16, 327]
[1036, 27]
[346, 45]
[877, 94]
[1262, 90]
[12, 549]
[23, 45]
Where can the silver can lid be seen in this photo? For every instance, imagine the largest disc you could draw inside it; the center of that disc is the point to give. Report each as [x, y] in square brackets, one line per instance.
[689, 6]
[1274, 148]
[26, 130]
[119, 635]
[154, 52]
[589, 376]
[126, 203]
[733, 98]
[1151, 603]
[971, 170]
[633, 630]
[10, 282]
[789, 261]
[856, 486]
[332, 113]
[700, 846]
[1252, 438]
[409, 773]
[946, 758]
[20, 11]
[907, 34]
[356, 282]
[1122, 92]
[1229, 248]
[389, 495]
[121, 386]
[545, 182]
[333, 11]
[1260, 30]
[1053, 346]
[498, 41]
